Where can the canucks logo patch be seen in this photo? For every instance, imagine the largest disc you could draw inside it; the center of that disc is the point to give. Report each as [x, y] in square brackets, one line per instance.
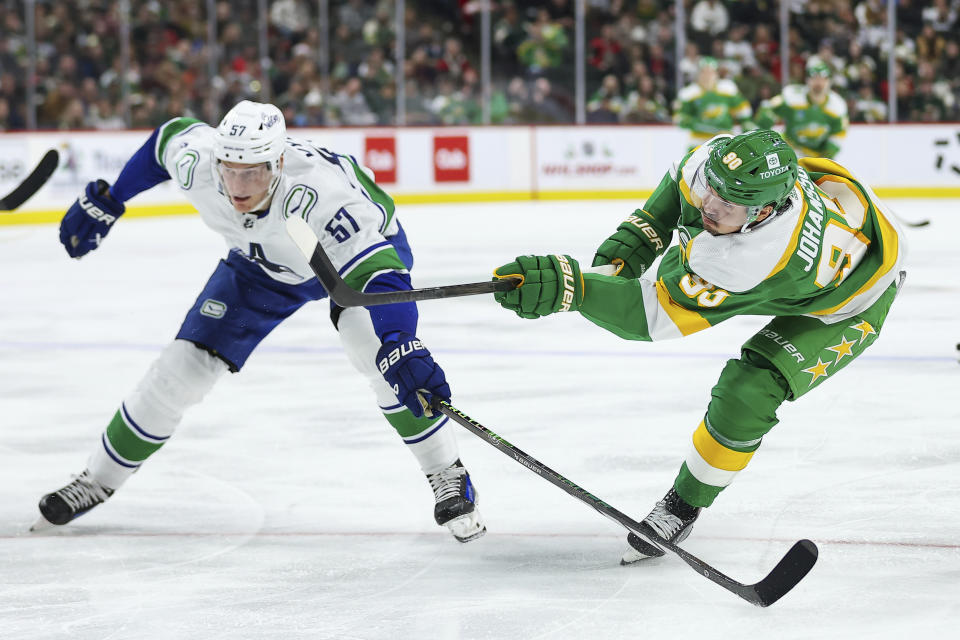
[213, 308]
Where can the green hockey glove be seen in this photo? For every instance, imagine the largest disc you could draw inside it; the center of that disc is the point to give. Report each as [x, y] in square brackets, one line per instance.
[549, 284]
[635, 243]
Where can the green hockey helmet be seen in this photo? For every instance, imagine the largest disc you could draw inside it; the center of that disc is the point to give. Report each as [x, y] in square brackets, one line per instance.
[753, 169]
[708, 62]
[819, 70]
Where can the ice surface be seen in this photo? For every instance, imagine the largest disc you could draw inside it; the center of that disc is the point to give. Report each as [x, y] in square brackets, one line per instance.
[285, 507]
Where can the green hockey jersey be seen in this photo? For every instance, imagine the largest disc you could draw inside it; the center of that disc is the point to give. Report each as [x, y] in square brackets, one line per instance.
[811, 129]
[709, 112]
[829, 255]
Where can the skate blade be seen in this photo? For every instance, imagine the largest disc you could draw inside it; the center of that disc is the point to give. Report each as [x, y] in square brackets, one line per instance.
[633, 556]
[42, 524]
[467, 527]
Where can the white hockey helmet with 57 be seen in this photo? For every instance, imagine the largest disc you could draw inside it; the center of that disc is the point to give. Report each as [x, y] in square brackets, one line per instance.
[252, 133]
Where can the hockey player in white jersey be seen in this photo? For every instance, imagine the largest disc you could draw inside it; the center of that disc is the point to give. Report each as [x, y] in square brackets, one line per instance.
[246, 177]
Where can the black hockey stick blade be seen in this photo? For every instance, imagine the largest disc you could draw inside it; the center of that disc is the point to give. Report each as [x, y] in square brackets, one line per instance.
[791, 569]
[32, 183]
[345, 296]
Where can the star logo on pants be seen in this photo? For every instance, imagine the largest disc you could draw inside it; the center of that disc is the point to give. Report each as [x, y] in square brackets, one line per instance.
[818, 370]
[865, 329]
[843, 349]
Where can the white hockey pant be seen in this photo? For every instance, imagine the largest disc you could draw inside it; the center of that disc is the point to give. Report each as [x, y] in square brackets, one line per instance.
[178, 379]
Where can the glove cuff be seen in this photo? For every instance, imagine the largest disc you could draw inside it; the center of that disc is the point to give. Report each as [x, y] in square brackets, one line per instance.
[570, 283]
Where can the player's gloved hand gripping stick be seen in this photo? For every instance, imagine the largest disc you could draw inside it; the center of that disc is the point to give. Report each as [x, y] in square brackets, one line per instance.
[410, 370]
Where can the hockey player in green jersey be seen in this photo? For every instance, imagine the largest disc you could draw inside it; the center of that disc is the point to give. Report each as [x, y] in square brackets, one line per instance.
[814, 117]
[711, 105]
[759, 234]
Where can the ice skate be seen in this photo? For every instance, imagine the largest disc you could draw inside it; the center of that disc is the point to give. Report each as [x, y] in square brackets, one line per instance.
[456, 503]
[672, 519]
[71, 501]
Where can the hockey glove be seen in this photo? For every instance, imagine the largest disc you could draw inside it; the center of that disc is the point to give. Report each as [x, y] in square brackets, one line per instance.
[88, 220]
[635, 244]
[409, 369]
[549, 284]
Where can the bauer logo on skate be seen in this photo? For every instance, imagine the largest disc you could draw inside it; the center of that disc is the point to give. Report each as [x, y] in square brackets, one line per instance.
[402, 350]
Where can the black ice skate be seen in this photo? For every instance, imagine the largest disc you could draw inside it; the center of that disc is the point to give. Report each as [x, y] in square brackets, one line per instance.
[672, 519]
[73, 500]
[456, 506]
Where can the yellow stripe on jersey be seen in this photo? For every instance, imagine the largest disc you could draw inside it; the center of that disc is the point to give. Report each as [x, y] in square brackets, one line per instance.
[794, 238]
[717, 455]
[825, 165]
[685, 190]
[687, 321]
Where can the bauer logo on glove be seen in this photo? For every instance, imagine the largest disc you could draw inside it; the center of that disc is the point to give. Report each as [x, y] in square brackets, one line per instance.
[402, 350]
[94, 211]
[548, 284]
[89, 219]
[409, 369]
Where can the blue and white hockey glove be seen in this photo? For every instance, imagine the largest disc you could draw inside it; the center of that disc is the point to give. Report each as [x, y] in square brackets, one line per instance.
[88, 220]
[409, 369]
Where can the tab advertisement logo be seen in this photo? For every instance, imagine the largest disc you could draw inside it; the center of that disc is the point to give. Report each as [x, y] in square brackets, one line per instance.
[380, 154]
[451, 159]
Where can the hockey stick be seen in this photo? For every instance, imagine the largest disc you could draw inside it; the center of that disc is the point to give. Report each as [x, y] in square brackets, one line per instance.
[32, 183]
[907, 223]
[345, 296]
[785, 575]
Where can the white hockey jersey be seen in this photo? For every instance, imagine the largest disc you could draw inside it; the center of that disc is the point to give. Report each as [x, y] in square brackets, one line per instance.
[336, 195]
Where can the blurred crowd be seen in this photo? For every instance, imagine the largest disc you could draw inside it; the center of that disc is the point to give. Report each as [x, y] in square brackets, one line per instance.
[631, 62]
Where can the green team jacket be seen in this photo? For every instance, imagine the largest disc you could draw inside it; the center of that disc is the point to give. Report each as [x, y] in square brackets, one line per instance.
[707, 113]
[830, 256]
[811, 129]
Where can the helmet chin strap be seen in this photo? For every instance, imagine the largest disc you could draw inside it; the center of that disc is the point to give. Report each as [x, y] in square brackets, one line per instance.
[265, 202]
[747, 228]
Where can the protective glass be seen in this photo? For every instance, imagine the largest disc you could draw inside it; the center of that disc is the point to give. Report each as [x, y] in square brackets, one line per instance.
[715, 207]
